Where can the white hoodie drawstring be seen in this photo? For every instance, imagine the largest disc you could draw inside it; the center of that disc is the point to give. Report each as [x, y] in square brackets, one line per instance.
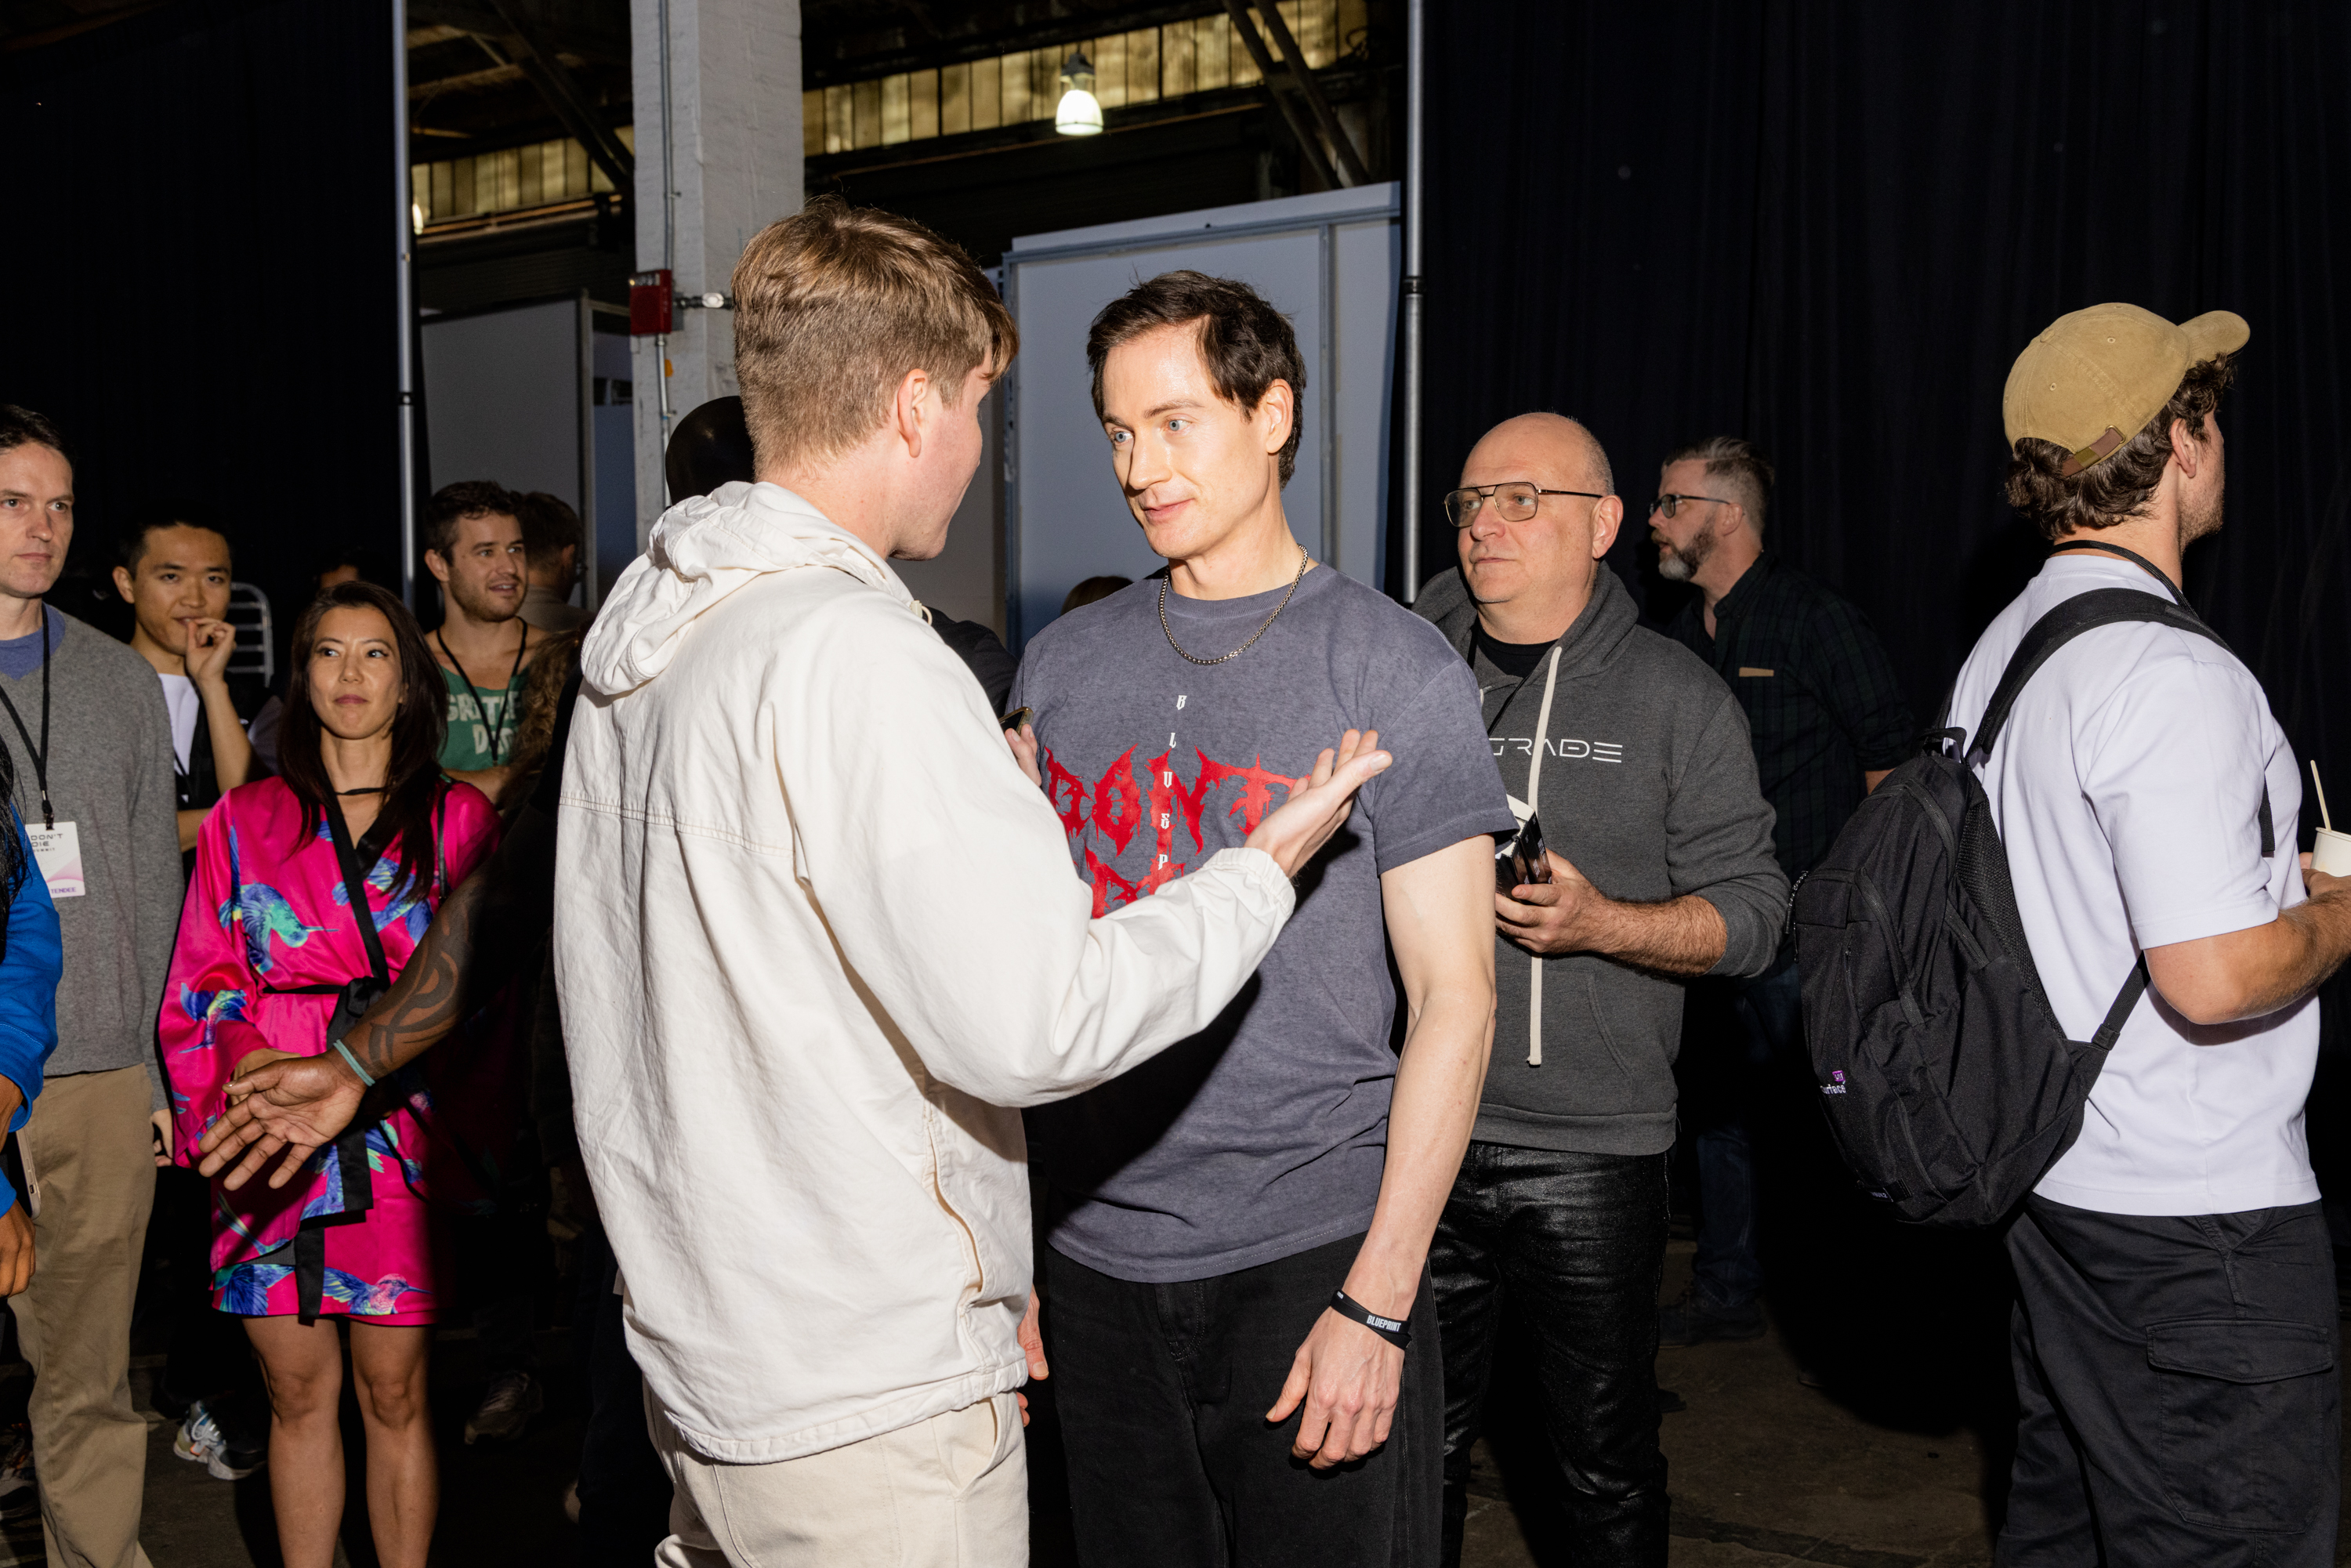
[1534, 799]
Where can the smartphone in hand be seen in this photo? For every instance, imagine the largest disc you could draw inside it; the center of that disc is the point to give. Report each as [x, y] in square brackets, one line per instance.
[1519, 860]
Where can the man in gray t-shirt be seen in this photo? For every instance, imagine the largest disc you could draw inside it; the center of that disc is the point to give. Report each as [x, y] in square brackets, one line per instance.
[1238, 1231]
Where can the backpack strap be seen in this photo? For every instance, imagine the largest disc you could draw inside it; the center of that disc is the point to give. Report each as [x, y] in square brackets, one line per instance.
[2119, 1014]
[2083, 612]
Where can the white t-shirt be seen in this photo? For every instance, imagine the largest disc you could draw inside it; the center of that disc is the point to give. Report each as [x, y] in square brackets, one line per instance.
[2128, 787]
[187, 705]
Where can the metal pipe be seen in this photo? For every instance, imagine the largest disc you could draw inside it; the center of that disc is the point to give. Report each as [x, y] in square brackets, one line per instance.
[1416, 78]
[669, 228]
[405, 293]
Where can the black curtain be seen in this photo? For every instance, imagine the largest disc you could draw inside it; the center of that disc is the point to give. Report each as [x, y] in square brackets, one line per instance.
[1832, 227]
[200, 278]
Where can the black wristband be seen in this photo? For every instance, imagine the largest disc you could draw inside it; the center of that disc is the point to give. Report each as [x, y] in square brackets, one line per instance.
[1397, 1331]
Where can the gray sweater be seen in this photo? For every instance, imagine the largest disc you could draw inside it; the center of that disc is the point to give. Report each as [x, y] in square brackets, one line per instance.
[111, 774]
[1648, 787]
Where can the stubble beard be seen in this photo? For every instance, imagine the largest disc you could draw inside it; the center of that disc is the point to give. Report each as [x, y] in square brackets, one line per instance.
[2194, 526]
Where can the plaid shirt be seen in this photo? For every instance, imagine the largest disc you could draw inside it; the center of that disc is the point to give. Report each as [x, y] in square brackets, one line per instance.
[1822, 705]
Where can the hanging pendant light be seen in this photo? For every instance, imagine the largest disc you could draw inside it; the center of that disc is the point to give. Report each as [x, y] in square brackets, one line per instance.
[1080, 112]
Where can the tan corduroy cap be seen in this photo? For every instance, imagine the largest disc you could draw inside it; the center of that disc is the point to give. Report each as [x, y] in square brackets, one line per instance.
[2092, 378]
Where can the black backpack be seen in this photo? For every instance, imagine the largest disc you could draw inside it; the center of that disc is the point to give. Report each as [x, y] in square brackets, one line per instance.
[1948, 1085]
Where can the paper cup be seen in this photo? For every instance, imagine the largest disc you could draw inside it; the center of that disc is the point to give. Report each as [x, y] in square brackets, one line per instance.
[2332, 852]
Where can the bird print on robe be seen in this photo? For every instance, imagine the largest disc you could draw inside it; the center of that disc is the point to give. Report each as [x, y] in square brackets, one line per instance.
[244, 1289]
[380, 1300]
[411, 911]
[260, 912]
[245, 1286]
[207, 1008]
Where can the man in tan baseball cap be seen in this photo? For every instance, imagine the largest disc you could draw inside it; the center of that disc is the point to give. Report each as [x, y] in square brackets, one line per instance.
[2174, 1257]
[2096, 378]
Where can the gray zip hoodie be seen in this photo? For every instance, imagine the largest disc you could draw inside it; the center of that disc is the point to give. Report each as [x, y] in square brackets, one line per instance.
[1645, 781]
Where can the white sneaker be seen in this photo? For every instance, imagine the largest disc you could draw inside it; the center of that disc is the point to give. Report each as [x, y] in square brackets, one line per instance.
[20, 1497]
[200, 1441]
[506, 1409]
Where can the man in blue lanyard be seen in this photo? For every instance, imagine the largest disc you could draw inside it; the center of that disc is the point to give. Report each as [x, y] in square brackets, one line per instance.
[85, 729]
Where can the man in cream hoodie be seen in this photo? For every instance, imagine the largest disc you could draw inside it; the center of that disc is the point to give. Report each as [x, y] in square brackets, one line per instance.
[815, 931]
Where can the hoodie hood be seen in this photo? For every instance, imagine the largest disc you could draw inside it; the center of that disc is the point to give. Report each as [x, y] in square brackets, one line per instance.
[702, 552]
[1607, 619]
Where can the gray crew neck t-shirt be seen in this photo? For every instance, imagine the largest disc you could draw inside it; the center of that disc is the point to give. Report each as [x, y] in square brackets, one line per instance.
[1264, 1135]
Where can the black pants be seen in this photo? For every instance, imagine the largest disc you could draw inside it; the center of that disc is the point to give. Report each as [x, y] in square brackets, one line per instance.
[1577, 1245]
[2180, 1404]
[1163, 1390]
[624, 1488]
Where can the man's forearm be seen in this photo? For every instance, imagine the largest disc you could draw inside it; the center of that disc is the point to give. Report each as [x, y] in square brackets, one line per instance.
[1438, 1082]
[232, 751]
[480, 936]
[1683, 936]
[2251, 973]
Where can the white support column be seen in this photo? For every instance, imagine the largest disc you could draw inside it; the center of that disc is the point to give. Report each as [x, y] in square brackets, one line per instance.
[730, 144]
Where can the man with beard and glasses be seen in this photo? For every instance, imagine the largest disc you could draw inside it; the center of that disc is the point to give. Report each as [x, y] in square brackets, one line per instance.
[474, 547]
[2174, 1335]
[1828, 720]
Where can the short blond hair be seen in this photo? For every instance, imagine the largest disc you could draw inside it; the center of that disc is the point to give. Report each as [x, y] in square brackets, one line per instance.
[833, 307]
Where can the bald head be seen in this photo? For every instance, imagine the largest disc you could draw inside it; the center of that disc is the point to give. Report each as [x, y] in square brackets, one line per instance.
[1562, 446]
[1531, 576]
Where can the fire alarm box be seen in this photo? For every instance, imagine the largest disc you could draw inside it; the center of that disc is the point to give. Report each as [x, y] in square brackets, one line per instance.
[651, 298]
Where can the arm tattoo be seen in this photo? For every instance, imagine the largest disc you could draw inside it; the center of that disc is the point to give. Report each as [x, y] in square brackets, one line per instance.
[479, 937]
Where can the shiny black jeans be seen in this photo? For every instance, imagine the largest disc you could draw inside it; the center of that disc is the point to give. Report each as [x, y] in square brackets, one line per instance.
[1575, 1244]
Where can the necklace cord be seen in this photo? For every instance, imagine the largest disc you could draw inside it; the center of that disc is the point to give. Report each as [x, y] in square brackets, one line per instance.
[1303, 561]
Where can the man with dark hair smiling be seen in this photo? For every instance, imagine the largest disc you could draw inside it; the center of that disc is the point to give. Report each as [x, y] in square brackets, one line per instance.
[474, 547]
[1239, 1232]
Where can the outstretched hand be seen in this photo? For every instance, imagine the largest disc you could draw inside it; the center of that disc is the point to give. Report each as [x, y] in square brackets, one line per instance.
[294, 1104]
[1319, 803]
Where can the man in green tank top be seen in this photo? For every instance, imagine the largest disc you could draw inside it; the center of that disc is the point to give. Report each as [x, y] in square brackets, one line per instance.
[474, 547]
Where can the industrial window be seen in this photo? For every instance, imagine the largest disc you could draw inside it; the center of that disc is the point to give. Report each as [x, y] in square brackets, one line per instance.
[512, 180]
[1199, 54]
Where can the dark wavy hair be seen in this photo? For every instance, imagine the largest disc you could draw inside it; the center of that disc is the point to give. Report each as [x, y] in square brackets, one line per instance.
[412, 782]
[2114, 489]
[1248, 344]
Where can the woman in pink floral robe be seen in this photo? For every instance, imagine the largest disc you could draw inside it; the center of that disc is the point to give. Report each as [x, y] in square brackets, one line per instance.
[267, 913]
[274, 952]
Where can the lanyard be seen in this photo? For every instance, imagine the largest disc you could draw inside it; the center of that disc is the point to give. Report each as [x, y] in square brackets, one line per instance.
[505, 705]
[41, 752]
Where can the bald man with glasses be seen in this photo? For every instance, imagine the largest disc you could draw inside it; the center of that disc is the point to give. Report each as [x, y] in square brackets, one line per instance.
[1631, 759]
[1828, 720]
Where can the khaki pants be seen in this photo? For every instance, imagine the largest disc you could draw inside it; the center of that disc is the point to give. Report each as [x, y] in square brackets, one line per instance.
[948, 1492]
[87, 1149]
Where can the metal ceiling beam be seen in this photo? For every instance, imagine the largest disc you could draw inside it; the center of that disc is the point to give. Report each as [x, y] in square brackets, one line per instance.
[555, 84]
[1303, 75]
[607, 46]
[1307, 142]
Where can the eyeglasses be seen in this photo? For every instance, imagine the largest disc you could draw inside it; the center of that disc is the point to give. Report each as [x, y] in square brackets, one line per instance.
[1514, 500]
[1672, 504]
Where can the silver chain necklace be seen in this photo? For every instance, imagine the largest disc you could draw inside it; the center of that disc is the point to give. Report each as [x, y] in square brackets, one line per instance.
[1302, 562]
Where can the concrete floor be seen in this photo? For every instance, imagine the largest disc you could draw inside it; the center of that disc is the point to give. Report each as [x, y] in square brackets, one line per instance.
[1889, 1473]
